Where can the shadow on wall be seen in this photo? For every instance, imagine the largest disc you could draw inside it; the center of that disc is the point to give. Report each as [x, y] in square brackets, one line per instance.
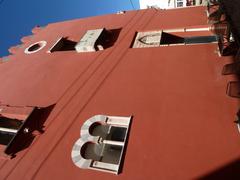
[35, 124]
[231, 8]
[108, 38]
[233, 87]
[230, 171]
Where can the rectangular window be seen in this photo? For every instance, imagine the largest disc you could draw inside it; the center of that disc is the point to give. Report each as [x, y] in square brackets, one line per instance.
[179, 3]
[97, 39]
[200, 39]
[8, 129]
[92, 40]
[173, 39]
[11, 120]
[17, 125]
[63, 44]
[160, 38]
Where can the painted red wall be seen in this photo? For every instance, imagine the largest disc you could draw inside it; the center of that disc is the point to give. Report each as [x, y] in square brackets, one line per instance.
[182, 125]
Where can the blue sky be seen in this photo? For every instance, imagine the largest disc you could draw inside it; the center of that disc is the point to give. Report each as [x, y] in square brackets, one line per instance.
[18, 17]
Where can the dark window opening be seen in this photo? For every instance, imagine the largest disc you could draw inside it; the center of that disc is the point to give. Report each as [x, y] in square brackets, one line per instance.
[34, 47]
[108, 132]
[17, 125]
[227, 47]
[99, 130]
[179, 4]
[173, 39]
[97, 39]
[117, 134]
[107, 38]
[233, 68]
[8, 129]
[63, 44]
[10, 123]
[105, 153]
[200, 39]
[92, 151]
[112, 154]
[6, 137]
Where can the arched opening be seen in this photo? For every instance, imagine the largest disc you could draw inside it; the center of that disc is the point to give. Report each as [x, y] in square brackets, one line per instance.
[98, 129]
[92, 151]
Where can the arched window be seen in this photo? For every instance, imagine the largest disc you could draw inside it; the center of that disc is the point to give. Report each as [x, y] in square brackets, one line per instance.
[162, 38]
[151, 39]
[102, 143]
[147, 39]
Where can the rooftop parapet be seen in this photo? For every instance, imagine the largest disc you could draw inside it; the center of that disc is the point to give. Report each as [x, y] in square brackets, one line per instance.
[26, 38]
[37, 29]
[14, 49]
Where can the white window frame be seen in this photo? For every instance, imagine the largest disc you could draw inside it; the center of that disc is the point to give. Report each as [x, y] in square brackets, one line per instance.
[139, 44]
[87, 42]
[41, 44]
[86, 137]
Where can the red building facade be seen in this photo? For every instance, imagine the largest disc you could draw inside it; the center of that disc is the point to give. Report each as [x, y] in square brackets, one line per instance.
[144, 91]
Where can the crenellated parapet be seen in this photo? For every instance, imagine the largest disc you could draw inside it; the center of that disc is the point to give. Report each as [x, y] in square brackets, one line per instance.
[5, 59]
[26, 38]
[14, 49]
[37, 29]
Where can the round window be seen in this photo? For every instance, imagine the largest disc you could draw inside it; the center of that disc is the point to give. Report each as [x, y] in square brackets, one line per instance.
[35, 47]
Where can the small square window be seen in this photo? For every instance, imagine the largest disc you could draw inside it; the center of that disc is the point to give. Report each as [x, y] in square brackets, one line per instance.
[179, 4]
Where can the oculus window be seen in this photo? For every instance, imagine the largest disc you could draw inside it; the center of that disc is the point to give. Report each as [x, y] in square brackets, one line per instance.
[33, 48]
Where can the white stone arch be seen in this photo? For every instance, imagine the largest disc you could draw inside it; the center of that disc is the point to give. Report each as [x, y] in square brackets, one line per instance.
[99, 146]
